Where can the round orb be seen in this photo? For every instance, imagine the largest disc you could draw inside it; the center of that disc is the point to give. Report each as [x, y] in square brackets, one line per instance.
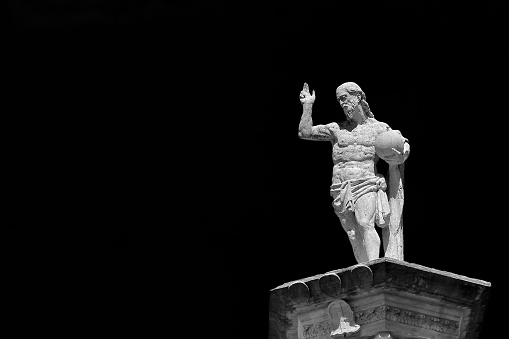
[388, 140]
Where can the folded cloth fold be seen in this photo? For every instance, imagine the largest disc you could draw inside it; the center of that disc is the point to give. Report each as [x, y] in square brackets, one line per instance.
[347, 193]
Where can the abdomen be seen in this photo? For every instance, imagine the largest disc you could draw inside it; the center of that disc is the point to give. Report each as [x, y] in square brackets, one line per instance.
[353, 162]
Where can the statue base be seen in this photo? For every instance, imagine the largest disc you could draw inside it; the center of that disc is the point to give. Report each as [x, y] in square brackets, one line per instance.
[381, 299]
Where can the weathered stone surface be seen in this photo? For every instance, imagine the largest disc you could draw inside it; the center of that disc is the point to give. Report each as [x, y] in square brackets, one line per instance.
[359, 192]
[298, 292]
[341, 318]
[399, 299]
[334, 321]
[362, 276]
[330, 284]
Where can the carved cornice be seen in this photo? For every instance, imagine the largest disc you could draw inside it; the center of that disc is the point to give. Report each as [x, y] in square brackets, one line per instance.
[445, 304]
[407, 317]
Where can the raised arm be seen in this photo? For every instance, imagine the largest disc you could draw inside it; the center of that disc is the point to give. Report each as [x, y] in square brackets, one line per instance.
[306, 129]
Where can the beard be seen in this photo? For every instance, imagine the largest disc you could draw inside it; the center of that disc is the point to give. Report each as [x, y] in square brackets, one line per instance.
[348, 112]
[349, 108]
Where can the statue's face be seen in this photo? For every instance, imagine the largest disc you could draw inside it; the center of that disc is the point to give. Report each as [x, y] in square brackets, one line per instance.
[349, 102]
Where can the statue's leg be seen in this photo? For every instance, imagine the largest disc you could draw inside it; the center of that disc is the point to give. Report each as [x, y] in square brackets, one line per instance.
[365, 207]
[350, 226]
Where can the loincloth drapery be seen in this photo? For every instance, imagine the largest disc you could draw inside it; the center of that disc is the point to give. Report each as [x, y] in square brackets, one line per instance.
[348, 192]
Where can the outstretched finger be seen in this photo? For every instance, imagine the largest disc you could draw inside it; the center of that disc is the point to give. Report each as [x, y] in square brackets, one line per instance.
[313, 92]
[306, 87]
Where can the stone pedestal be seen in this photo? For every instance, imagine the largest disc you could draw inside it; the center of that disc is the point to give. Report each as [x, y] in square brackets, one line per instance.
[381, 299]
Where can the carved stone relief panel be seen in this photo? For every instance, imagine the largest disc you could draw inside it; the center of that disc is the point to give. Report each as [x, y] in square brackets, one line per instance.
[412, 318]
[334, 321]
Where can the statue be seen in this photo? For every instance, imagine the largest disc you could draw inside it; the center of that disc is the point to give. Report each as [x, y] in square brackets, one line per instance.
[361, 196]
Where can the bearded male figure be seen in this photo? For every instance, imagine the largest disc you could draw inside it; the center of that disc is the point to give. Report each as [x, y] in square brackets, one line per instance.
[359, 192]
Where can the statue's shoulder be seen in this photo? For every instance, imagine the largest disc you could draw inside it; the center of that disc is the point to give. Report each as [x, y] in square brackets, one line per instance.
[378, 126]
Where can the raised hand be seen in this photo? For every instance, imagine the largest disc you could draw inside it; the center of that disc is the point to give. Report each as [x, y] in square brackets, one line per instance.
[305, 97]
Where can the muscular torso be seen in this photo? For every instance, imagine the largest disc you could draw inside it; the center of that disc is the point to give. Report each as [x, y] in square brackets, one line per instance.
[353, 151]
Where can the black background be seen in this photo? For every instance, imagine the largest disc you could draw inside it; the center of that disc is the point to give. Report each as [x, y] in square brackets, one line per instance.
[152, 152]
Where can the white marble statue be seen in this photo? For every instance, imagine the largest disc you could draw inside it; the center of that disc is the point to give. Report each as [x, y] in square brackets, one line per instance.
[362, 197]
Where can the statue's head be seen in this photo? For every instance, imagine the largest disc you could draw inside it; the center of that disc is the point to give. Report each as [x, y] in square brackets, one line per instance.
[350, 95]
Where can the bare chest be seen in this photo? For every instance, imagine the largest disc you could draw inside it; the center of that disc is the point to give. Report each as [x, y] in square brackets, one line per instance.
[362, 136]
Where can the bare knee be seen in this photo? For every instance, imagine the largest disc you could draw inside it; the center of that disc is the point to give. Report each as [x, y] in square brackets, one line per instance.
[366, 225]
[349, 224]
